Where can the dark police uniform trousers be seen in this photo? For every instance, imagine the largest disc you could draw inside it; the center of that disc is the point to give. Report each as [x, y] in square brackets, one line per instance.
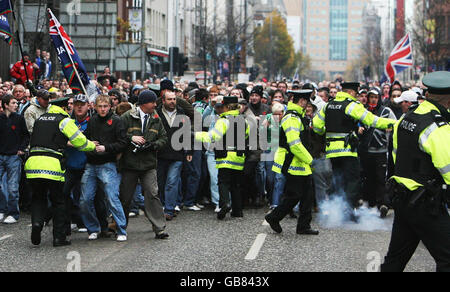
[415, 224]
[298, 189]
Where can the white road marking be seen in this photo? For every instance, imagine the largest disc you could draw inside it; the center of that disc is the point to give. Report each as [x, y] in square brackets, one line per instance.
[254, 250]
[5, 237]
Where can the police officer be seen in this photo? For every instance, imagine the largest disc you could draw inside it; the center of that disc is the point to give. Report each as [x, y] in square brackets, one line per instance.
[45, 170]
[339, 121]
[422, 175]
[294, 161]
[231, 134]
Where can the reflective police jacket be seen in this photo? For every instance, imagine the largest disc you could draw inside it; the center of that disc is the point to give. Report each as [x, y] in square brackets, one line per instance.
[233, 154]
[340, 118]
[51, 133]
[292, 157]
[421, 152]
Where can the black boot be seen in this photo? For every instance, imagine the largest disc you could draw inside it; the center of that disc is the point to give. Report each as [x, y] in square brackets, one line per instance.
[36, 234]
[60, 243]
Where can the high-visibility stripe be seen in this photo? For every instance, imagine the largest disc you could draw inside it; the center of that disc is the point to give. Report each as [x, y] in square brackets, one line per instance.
[317, 130]
[351, 108]
[444, 170]
[293, 168]
[45, 172]
[363, 117]
[291, 129]
[337, 135]
[339, 151]
[321, 116]
[217, 132]
[375, 122]
[64, 124]
[426, 135]
[42, 149]
[84, 146]
[293, 143]
[221, 162]
[74, 136]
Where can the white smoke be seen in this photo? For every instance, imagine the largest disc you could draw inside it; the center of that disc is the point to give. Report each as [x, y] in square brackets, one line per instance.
[333, 214]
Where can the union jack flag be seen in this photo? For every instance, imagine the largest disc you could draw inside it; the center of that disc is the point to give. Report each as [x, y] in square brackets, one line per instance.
[5, 7]
[68, 56]
[56, 29]
[401, 59]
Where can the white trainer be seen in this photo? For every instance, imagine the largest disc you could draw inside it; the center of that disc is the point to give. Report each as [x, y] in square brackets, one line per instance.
[10, 220]
[194, 208]
[217, 209]
[73, 227]
[82, 230]
[177, 209]
[132, 215]
[93, 236]
[121, 238]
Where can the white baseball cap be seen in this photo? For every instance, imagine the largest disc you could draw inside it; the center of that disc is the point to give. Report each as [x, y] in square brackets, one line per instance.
[408, 96]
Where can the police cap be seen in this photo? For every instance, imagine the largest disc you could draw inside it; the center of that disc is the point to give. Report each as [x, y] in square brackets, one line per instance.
[438, 83]
[230, 100]
[351, 85]
[301, 94]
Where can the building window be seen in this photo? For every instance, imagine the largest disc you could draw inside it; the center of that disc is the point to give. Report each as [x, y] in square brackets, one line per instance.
[338, 29]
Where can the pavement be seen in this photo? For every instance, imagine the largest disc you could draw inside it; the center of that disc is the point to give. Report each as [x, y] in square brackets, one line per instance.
[200, 243]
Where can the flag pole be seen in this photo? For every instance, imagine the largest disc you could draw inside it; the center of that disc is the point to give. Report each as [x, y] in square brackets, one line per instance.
[68, 53]
[19, 41]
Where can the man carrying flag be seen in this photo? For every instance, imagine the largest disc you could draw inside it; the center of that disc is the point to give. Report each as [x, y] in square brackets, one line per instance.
[401, 59]
[73, 67]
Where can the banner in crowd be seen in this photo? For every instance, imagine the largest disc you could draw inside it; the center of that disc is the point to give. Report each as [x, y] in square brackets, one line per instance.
[68, 56]
[5, 7]
[5, 30]
[401, 59]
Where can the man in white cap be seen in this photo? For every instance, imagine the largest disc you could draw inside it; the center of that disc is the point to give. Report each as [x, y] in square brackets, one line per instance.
[406, 100]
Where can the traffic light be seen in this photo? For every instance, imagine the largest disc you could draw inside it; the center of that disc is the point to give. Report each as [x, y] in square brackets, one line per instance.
[182, 64]
[174, 55]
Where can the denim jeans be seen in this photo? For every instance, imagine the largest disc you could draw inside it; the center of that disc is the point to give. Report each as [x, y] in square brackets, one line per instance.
[11, 166]
[278, 190]
[322, 176]
[138, 200]
[194, 176]
[214, 180]
[107, 174]
[169, 173]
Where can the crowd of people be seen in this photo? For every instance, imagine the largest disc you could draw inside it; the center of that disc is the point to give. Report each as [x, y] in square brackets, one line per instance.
[133, 165]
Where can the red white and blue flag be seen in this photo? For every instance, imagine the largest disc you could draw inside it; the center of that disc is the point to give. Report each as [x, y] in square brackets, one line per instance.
[401, 59]
[5, 29]
[5, 7]
[66, 54]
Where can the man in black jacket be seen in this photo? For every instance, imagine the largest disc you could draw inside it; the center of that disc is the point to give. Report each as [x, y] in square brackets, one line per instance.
[15, 138]
[373, 150]
[254, 181]
[109, 134]
[170, 161]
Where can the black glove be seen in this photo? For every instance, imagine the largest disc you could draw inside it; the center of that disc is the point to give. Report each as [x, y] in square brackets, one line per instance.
[31, 87]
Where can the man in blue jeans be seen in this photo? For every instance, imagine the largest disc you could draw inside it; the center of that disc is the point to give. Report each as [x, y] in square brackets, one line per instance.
[14, 139]
[109, 134]
[170, 161]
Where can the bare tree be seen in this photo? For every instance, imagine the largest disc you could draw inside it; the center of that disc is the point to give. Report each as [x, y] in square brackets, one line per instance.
[431, 40]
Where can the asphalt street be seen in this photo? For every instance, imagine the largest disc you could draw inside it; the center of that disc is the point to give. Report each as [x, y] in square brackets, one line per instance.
[200, 243]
